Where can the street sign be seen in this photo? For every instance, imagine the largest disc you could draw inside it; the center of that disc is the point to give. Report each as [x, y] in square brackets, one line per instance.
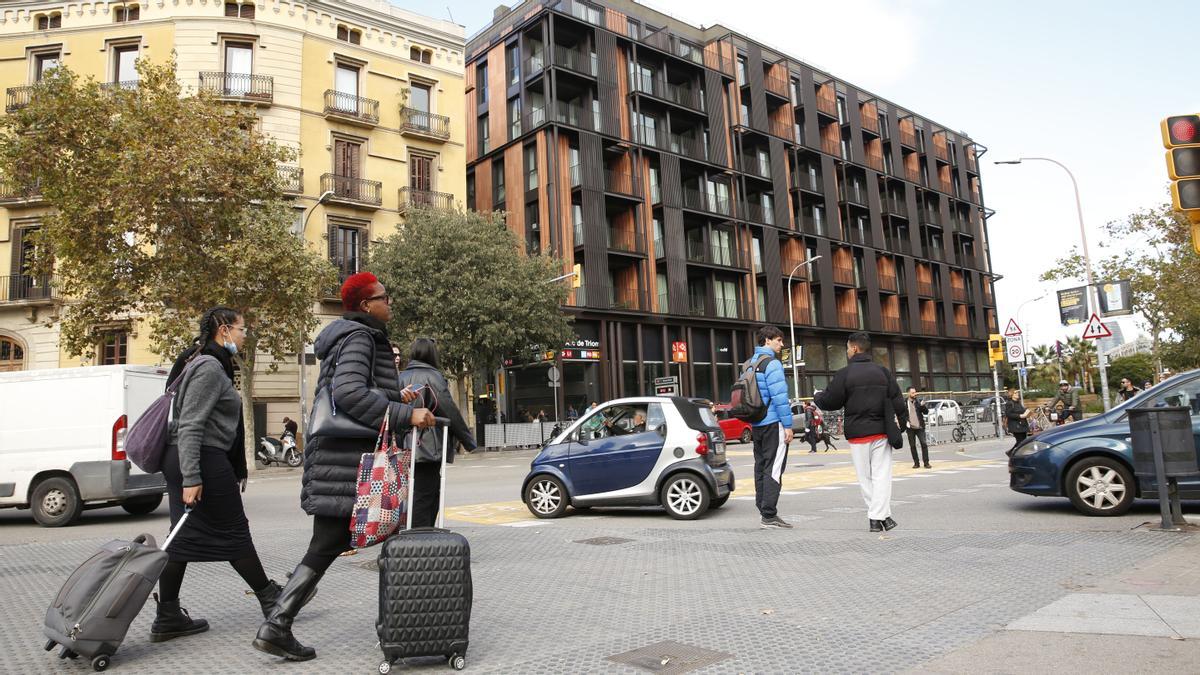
[1116, 298]
[1072, 305]
[679, 352]
[666, 386]
[553, 374]
[1023, 371]
[1015, 347]
[1095, 329]
[1012, 329]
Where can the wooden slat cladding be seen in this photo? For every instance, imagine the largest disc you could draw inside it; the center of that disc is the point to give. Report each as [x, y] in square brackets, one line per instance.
[622, 94]
[944, 178]
[719, 140]
[889, 312]
[514, 188]
[779, 178]
[744, 243]
[772, 268]
[827, 98]
[483, 186]
[497, 105]
[831, 140]
[649, 267]
[874, 154]
[791, 253]
[912, 167]
[591, 157]
[886, 268]
[595, 245]
[565, 224]
[720, 55]
[616, 21]
[802, 302]
[869, 114]
[552, 232]
[626, 288]
[908, 132]
[470, 107]
[780, 122]
[623, 231]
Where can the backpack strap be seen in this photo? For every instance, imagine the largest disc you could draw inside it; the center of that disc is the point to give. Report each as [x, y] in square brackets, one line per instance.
[338, 357]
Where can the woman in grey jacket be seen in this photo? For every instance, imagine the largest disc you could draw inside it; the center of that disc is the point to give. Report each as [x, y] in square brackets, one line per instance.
[205, 468]
[423, 375]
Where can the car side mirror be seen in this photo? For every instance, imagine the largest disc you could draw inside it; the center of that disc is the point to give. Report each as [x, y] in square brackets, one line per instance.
[661, 430]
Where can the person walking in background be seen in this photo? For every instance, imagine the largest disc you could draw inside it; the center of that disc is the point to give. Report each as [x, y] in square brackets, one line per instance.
[863, 389]
[812, 422]
[366, 389]
[1017, 416]
[915, 414]
[1069, 397]
[773, 432]
[423, 375]
[205, 469]
[1127, 390]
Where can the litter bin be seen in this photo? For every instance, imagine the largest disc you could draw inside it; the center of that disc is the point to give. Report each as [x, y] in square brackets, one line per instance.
[1164, 449]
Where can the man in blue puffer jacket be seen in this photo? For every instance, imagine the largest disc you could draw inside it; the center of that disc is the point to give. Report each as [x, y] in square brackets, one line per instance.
[774, 431]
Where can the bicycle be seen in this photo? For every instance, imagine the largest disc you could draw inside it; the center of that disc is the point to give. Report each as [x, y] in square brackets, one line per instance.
[963, 428]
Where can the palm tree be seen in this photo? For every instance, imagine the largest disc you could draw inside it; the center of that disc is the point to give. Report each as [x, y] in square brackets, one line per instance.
[1043, 354]
[1081, 356]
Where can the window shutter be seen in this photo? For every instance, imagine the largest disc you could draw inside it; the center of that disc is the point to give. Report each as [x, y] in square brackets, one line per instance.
[332, 235]
[231, 9]
[248, 11]
[362, 249]
[355, 37]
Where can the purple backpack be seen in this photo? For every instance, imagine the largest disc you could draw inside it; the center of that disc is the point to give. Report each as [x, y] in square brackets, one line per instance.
[147, 438]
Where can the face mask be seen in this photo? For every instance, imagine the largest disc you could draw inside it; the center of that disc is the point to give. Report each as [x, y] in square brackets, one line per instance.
[230, 347]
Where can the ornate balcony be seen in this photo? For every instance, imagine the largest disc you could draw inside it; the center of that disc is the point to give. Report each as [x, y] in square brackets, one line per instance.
[424, 124]
[350, 108]
[241, 87]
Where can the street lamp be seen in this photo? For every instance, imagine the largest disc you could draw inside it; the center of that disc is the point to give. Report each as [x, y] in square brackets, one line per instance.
[303, 356]
[1020, 381]
[792, 323]
[1093, 294]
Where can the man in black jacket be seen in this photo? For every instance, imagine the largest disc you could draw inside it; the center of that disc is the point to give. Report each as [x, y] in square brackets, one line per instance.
[914, 413]
[864, 389]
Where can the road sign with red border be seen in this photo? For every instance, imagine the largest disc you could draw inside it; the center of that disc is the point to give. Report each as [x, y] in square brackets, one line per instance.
[1012, 329]
[1095, 329]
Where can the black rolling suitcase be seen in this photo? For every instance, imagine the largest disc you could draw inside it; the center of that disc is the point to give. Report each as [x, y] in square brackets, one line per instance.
[92, 611]
[425, 586]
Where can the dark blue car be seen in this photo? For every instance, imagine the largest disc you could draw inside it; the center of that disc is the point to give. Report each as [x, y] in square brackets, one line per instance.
[1091, 462]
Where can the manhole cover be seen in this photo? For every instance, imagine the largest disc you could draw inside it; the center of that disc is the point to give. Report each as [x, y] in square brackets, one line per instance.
[670, 657]
[603, 541]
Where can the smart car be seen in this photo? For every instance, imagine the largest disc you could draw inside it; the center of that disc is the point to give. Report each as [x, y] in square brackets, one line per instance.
[645, 451]
[1091, 461]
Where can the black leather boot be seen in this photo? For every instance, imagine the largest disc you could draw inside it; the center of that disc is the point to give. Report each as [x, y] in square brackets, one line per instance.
[268, 597]
[876, 525]
[888, 523]
[172, 621]
[275, 635]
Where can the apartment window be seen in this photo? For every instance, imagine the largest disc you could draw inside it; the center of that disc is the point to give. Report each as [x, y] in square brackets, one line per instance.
[767, 201]
[346, 249]
[484, 133]
[841, 110]
[577, 222]
[481, 83]
[125, 63]
[514, 118]
[655, 185]
[954, 180]
[649, 131]
[741, 69]
[757, 255]
[726, 297]
[12, 355]
[471, 190]
[420, 96]
[883, 126]
[722, 247]
[420, 172]
[347, 167]
[533, 232]
[351, 35]
[239, 65]
[345, 83]
[420, 55]
[512, 62]
[498, 182]
[635, 29]
[659, 251]
[114, 349]
[531, 169]
[126, 13]
[887, 163]
[794, 89]
[239, 10]
[44, 62]
[660, 285]
[48, 21]
[745, 114]
[596, 125]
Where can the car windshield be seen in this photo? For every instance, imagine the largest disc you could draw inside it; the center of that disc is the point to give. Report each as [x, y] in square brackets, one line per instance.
[706, 416]
[930, 405]
[1146, 395]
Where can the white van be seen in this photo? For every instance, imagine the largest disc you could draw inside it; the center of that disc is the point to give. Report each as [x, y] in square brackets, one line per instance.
[62, 437]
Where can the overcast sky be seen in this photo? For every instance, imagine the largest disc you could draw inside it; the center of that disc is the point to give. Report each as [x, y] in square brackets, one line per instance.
[1083, 82]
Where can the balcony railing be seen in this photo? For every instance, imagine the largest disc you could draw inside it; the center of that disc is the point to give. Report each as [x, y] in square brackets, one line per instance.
[874, 161]
[574, 115]
[351, 108]
[625, 241]
[827, 103]
[887, 282]
[929, 327]
[892, 324]
[908, 138]
[958, 294]
[575, 60]
[972, 163]
[930, 217]
[777, 84]
[960, 330]
[123, 85]
[809, 182]
[239, 86]
[620, 182]
[352, 190]
[534, 117]
[700, 201]
[925, 288]
[849, 320]
[410, 196]
[940, 152]
[853, 193]
[843, 275]
[689, 146]
[912, 175]
[14, 191]
[817, 226]
[422, 123]
[535, 64]
[17, 98]
[291, 178]
[831, 146]
[784, 130]
[27, 289]
[755, 212]
[756, 167]
[575, 175]
[712, 254]
[870, 124]
[581, 11]
[895, 206]
[898, 244]
[667, 91]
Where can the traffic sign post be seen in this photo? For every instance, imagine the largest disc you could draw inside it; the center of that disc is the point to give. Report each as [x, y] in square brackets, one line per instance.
[1095, 329]
[555, 377]
[1012, 329]
[1015, 349]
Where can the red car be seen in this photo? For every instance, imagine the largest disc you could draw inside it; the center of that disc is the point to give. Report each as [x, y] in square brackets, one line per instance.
[733, 428]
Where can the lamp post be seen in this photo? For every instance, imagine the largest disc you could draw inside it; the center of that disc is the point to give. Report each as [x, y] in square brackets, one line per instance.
[792, 323]
[303, 356]
[1021, 381]
[1093, 294]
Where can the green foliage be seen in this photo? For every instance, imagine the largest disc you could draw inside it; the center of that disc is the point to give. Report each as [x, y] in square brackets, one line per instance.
[459, 277]
[164, 205]
[1138, 368]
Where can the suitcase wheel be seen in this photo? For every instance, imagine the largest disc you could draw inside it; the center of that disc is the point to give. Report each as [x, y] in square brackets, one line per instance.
[50, 645]
[100, 662]
[66, 653]
[458, 662]
[385, 667]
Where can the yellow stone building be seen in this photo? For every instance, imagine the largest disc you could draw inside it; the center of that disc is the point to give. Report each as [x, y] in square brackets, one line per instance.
[369, 94]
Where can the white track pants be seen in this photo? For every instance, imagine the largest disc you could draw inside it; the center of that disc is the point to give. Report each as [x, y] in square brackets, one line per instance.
[873, 464]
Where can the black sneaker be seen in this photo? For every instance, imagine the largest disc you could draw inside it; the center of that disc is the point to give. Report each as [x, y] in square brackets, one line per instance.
[888, 523]
[776, 522]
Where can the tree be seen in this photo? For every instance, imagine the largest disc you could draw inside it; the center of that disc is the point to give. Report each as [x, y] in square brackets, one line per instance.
[460, 278]
[1079, 360]
[1138, 368]
[165, 204]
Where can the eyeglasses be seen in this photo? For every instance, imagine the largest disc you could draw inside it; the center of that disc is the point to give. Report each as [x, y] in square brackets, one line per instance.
[384, 297]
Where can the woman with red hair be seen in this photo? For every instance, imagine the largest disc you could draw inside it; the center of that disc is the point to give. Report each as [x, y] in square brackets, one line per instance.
[366, 387]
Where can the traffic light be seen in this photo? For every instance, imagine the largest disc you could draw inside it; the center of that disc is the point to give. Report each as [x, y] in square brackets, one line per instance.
[577, 280]
[996, 347]
[1181, 138]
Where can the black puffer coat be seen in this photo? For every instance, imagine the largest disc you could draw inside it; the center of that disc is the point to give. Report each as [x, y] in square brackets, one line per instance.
[363, 389]
[1012, 412]
[437, 398]
[861, 388]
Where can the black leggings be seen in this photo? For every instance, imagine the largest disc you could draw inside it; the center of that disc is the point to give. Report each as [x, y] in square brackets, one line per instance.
[1020, 436]
[330, 538]
[249, 568]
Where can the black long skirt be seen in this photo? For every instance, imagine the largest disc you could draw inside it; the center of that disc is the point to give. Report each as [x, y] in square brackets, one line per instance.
[217, 529]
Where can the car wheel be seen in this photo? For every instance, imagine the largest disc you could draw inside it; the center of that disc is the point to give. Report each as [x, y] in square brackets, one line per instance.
[719, 502]
[940, 420]
[142, 505]
[684, 496]
[546, 497]
[746, 436]
[55, 502]
[1100, 486]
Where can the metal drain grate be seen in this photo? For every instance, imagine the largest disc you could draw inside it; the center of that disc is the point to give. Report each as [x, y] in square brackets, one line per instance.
[670, 657]
[603, 541]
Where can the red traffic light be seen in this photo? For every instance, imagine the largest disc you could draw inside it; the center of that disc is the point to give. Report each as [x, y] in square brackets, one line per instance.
[1181, 130]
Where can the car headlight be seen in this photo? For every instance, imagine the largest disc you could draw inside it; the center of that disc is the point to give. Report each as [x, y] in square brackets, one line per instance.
[1031, 448]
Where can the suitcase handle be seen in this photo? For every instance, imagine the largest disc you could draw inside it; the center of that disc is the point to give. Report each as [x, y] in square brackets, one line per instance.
[412, 473]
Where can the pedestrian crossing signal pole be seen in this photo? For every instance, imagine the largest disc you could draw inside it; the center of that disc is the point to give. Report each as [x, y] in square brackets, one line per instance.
[996, 350]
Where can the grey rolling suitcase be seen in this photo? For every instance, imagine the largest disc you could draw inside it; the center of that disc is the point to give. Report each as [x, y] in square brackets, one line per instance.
[425, 590]
[92, 611]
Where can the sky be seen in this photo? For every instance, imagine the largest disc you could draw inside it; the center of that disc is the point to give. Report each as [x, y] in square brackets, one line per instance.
[1083, 82]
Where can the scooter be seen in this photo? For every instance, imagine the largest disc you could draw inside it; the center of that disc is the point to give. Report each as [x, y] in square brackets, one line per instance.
[279, 451]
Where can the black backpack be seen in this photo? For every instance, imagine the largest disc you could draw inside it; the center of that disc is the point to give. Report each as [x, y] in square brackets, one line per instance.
[746, 400]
